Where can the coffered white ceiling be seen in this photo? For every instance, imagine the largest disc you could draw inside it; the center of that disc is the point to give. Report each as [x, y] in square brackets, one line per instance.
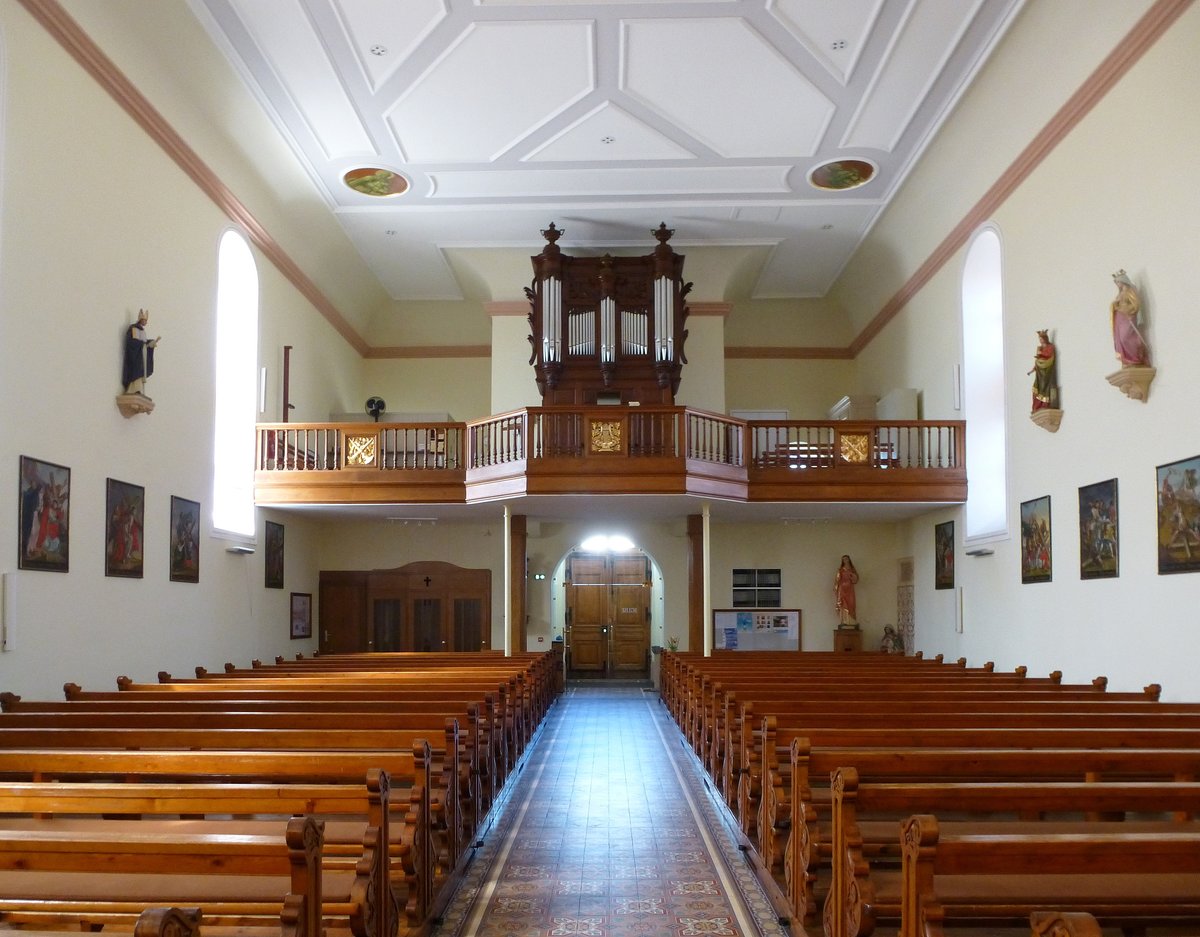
[606, 117]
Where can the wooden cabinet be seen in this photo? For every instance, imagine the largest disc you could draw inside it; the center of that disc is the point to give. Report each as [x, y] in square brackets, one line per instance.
[426, 606]
[847, 639]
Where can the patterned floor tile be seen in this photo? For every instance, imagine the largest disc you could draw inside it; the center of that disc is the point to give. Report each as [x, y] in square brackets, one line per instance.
[609, 831]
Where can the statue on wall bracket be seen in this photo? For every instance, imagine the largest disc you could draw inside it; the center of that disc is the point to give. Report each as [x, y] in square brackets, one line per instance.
[137, 366]
[1133, 380]
[1045, 411]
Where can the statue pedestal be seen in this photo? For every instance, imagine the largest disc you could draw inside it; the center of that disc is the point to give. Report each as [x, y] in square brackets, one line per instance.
[1047, 418]
[133, 404]
[1133, 382]
[848, 640]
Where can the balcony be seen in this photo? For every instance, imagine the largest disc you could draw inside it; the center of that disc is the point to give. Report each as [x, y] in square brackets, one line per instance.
[648, 450]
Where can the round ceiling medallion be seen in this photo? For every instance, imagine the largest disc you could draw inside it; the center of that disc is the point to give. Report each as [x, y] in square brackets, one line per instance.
[379, 183]
[840, 174]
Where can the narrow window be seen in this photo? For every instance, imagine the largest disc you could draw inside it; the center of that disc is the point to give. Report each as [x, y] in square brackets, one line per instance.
[234, 370]
[983, 389]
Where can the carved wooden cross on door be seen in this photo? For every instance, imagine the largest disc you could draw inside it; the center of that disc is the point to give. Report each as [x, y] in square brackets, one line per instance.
[427, 582]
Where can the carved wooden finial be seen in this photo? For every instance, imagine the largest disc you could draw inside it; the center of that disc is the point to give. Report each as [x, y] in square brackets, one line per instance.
[552, 233]
[663, 233]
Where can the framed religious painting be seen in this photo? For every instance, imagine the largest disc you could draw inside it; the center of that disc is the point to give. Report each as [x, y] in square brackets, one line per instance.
[124, 526]
[301, 615]
[273, 576]
[1179, 516]
[43, 516]
[943, 555]
[1099, 546]
[185, 540]
[1036, 554]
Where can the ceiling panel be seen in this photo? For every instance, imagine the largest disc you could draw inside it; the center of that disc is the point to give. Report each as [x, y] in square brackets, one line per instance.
[607, 118]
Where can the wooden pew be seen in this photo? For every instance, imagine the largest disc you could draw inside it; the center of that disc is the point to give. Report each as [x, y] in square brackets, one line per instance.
[1063, 924]
[454, 792]
[233, 880]
[865, 825]
[355, 862]
[1132, 880]
[410, 846]
[394, 750]
[804, 817]
[761, 762]
[505, 733]
[496, 756]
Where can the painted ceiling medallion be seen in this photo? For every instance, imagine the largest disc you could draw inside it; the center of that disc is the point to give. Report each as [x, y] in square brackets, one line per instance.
[841, 174]
[380, 183]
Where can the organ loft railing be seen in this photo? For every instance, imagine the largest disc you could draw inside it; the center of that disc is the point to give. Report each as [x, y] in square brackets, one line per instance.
[607, 330]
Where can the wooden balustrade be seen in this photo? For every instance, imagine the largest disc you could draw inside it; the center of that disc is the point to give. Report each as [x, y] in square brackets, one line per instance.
[611, 450]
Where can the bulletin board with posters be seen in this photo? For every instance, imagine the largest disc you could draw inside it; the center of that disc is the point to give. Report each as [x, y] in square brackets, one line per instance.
[756, 629]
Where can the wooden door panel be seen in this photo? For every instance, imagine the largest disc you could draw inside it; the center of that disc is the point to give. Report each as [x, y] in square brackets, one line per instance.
[607, 599]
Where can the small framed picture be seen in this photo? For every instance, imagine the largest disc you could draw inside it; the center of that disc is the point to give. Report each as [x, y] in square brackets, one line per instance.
[301, 614]
[185, 540]
[1099, 545]
[1036, 553]
[273, 577]
[1179, 516]
[943, 555]
[124, 526]
[44, 512]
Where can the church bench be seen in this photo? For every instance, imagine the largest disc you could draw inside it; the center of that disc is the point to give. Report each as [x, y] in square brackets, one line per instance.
[454, 763]
[1063, 924]
[498, 729]
[760, 756]
[865, 819]
[737, 715]
[355, 862]
[396, 751]
[512, 729]
[153, 922]
[1127, 880]
[542, 668]
[797, 808]
[89, 880]
[410, 845]
[476, 740]
[701, 702]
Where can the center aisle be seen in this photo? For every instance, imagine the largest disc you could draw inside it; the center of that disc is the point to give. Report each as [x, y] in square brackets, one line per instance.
[609, 830]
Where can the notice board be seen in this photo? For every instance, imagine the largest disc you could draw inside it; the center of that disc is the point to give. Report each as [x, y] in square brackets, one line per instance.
[756, 629]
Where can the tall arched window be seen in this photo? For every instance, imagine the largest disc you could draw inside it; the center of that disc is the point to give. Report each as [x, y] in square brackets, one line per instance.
[983, 389]
[234, 370]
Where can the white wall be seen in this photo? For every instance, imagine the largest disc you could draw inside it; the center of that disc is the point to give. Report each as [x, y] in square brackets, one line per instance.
[96, 223]
[1086, 211]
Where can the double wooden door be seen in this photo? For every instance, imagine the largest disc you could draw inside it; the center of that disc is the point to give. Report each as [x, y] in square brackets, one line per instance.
[425, 606]
[608, 613]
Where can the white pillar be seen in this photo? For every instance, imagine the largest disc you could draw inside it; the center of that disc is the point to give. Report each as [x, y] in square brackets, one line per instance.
[708, 619]
[508, 648]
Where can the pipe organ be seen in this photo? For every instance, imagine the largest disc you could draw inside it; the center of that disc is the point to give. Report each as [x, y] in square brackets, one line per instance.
[608, 329]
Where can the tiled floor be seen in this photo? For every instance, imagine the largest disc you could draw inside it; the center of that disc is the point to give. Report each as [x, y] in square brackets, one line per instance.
[609, 831]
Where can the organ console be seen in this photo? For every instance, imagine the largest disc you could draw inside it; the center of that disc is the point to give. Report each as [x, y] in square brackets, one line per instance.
[607, 329]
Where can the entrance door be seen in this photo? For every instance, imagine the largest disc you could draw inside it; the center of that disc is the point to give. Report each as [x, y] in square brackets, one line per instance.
[608, 603]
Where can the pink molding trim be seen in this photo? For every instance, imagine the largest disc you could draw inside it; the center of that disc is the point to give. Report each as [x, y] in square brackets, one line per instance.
[514, 307]
[1157, 20]
[67, 32]
[763, 352]
[430, 351]
[710, 309]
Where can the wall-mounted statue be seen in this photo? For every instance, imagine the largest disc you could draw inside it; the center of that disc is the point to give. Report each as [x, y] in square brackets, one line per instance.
[1044, 410]
[1126, 309]
[1128, 341]
[137, 365]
